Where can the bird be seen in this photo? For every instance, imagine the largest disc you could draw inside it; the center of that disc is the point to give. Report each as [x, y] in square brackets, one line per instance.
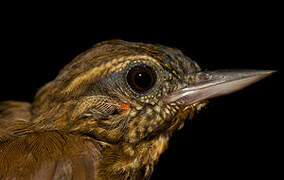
[110, 113]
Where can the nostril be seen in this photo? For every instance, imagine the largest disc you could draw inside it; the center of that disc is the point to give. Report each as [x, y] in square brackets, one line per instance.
[203, 76]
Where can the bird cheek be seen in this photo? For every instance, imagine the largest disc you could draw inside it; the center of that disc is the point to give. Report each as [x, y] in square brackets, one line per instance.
[152, 120]
[142, 125]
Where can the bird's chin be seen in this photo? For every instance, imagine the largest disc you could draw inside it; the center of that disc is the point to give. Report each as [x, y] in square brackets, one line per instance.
[186, 113]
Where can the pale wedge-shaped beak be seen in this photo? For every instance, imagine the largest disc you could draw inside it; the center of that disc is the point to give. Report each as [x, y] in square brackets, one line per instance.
[216, 83]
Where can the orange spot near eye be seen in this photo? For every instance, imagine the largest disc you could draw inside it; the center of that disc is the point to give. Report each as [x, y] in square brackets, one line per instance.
[124, 106]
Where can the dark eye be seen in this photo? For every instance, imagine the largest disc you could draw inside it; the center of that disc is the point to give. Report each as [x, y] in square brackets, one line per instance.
[141, 78]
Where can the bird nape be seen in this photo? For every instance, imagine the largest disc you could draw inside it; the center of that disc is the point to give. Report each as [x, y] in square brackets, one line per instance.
[109, 113]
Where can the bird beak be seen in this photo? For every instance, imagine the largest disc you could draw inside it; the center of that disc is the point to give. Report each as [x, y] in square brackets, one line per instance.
[212, 84]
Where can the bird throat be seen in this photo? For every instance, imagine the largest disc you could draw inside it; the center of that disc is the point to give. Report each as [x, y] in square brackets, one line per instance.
[128, 161]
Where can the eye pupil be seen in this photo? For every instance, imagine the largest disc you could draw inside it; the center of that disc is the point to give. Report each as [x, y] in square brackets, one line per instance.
[141, 78]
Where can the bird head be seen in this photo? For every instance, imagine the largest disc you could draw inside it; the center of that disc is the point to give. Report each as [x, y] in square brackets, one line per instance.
[129, 92]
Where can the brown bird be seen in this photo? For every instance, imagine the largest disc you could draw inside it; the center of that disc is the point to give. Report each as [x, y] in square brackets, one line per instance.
[109, 113]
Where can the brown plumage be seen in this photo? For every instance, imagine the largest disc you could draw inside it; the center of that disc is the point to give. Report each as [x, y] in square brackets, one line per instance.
[108, 114]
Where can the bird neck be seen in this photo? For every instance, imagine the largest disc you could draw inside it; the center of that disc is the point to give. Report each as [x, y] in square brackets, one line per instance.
[132, 161]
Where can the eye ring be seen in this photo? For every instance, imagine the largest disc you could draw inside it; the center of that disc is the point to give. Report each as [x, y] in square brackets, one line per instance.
[141, 78]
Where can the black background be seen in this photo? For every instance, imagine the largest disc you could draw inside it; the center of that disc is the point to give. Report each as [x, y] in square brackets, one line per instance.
[239, 135]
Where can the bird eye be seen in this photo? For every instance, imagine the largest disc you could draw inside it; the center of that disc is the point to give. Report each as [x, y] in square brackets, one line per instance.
[141, 78]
